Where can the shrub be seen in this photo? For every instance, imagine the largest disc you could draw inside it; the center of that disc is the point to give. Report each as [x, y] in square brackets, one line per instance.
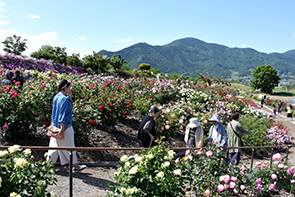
[19, 174]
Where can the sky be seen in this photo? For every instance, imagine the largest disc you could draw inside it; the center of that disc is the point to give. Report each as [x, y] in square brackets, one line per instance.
[87, 26]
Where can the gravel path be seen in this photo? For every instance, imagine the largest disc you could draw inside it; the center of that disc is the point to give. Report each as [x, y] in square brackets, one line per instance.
[92, 182]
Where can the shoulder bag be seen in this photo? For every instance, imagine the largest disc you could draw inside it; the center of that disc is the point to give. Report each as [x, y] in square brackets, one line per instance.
[242, 143]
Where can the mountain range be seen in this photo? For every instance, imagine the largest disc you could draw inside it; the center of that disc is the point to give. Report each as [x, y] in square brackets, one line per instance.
[190, 55]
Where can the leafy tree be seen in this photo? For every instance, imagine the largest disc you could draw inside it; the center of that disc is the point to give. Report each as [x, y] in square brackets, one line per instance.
[144, 66]
[14, 45]
[55, 54]
[265, 78]
[74, 60]
[117, 62]
[97, 62]
[155, 71]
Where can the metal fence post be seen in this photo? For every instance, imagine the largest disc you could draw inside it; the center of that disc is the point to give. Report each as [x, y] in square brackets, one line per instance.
[71, 174]
[252, 157]
[271, 156]
[287, 153]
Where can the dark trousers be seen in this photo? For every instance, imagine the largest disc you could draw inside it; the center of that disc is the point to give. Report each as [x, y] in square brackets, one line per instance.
[235, 158]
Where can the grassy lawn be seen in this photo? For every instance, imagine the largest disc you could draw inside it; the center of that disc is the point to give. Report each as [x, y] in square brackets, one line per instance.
[241, 86]
[283, 92]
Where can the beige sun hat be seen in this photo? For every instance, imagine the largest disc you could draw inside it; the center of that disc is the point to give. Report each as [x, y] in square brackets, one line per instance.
[193, 122]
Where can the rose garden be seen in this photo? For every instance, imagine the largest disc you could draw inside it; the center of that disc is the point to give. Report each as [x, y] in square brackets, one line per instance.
[102, 100]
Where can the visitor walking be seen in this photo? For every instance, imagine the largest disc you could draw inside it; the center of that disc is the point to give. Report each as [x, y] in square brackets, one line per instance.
[8, 78]
[235, 132]
[262, 100]
[18, 78]
[62, 119]
[194, 134]
[279, 107]
[290, 112]
[217, 133]
[147, 131]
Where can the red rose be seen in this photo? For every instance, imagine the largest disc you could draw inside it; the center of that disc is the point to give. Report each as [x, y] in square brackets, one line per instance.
[87, 87]
[111, 104]
[149, 89]
[92, 122]
[44, 119]
[120, 88]
[130, 105]
[101, 107]
[47, 124]
[125, 112]
[0, 95]
[111, 111]
[107, 85]
[150, 97]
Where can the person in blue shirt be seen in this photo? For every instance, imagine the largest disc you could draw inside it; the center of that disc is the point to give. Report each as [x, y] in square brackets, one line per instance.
[62, 119]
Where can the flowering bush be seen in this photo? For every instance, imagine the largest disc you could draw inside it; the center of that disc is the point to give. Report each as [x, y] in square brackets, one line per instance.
[153, 173]
[278, 134]
[19, 175]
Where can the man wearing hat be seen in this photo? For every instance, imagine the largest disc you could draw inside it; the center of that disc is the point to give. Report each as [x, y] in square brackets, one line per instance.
[194, 134]
[217, 133]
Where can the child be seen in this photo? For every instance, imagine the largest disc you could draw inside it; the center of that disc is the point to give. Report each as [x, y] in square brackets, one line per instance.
[274, 111]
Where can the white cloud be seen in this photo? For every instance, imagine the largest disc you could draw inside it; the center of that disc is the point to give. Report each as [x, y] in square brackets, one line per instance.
[244, 45]
[34, 42]
[125, 40]
[112, 40]
[294, 35]
[85, 53]
[33, 16]
[79, 38]
[2, 16]
[2, 4]
[3, 22]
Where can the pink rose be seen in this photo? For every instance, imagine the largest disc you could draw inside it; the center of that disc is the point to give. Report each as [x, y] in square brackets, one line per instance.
[276, 162]
[259, 187]
[272, 186]
[181, 121]
[220, 188]
[243, 187]
[258, 181]
[209, 153]
[289, 171]
[5, 127]
[276, 157]
[232, 185]
[236, 191]
[205, 121]
[181, 127]
[273, 176]
[167, 127]
[207, 192]
[235, 179]
[226, 178]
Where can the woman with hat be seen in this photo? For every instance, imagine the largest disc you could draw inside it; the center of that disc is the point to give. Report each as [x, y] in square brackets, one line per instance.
[194, 134]
[217, 133]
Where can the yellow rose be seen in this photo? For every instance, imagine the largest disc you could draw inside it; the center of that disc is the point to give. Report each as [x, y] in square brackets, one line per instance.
[127, 164]
[123, 190]
[150, 156]
[133, 170]
[124, 158]
[20, 162]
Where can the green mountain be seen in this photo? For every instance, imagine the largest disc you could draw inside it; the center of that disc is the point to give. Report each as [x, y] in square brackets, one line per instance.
[191, 55]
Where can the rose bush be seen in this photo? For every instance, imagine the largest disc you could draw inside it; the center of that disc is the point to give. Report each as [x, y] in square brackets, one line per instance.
[20, 175]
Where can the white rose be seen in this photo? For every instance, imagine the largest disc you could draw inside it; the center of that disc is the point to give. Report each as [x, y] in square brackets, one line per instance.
[166, 164]
[177, 172]
[160, 174]
[133, 170]
[3, 153]
[52, 194]
[13, 149]
[138, 159]
[124, 158]
[27, 151]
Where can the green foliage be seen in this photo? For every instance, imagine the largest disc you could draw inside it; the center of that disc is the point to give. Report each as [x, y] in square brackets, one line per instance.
[97, 62]
[55, 54]
[117, 62]
[74, 60]
[265, 78]
[155, 71]
[144, 66]
[14, 45]
[153, 173]
[258, 136]
[20, 174]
